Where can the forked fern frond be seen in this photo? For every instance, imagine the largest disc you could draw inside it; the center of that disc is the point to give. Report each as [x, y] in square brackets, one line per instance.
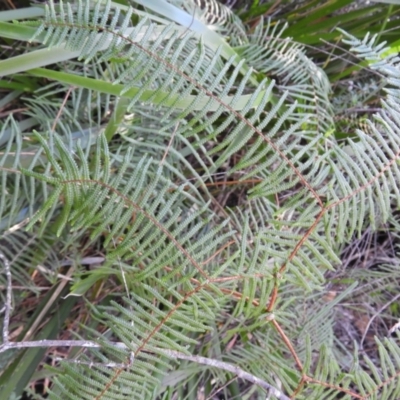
[132, 176]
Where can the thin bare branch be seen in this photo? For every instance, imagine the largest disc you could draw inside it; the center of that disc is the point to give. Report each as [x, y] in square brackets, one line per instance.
[240, 373]
[7, 307]
[227, 367]
[379, 312]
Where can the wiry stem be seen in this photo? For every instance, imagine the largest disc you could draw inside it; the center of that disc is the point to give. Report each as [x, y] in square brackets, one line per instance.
[7, 307]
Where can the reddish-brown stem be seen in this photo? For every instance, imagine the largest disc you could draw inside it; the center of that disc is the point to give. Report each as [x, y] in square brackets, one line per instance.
[288, 344]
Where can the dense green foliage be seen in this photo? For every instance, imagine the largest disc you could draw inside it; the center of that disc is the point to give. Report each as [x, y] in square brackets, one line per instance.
[183, 188]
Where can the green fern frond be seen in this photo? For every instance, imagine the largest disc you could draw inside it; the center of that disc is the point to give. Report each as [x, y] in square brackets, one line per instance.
[135, 175]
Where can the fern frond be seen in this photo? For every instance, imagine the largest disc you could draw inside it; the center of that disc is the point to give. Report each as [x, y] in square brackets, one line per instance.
[268, 53]
[367, 168]
[133, 174]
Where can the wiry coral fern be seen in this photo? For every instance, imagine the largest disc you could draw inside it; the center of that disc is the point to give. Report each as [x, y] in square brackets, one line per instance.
[130, 172]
